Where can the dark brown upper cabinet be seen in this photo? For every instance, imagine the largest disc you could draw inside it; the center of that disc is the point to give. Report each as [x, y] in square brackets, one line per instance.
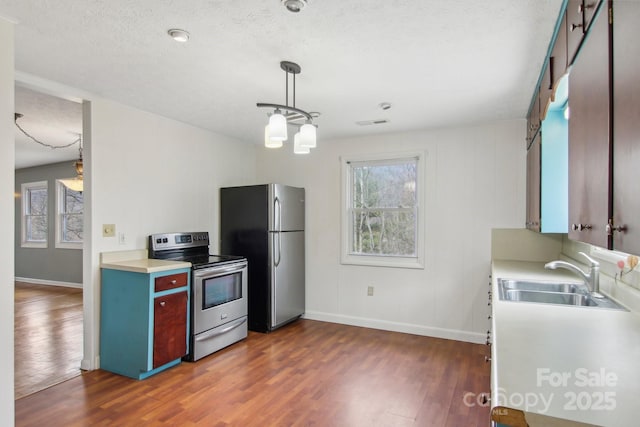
[546, 91]
[589, 8]
[533, 185]
[558, 59]
[574, 28]
[590, 172]
[533, 118]
[626, 127]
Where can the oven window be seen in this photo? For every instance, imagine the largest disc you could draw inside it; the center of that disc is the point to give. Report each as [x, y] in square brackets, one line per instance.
[221, 289]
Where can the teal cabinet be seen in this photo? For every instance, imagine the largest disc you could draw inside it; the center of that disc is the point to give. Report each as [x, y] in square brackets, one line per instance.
[144, 321]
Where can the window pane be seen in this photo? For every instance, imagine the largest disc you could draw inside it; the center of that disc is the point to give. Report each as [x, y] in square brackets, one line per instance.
[388, 232]
[36, 228]
[73, 201]
[37, 202]
[72, 228]
[384, 208]
[384, 186]
[71, 219]
[35, 213]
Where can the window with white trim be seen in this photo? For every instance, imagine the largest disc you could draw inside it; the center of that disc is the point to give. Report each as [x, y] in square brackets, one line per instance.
[381, 215]
[34, 214]
[69, 217]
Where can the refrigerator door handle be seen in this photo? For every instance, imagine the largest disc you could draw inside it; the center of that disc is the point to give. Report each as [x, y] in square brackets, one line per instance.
[277, 250]
[277, 204]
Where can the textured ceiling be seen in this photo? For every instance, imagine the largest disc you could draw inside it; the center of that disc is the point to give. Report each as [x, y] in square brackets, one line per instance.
[438, 62]
[50, 120]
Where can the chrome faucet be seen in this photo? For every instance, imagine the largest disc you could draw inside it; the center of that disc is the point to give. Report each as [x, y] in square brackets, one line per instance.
[592, 279]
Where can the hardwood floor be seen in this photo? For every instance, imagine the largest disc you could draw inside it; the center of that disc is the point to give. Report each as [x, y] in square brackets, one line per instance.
[48, 336]
[308, 373]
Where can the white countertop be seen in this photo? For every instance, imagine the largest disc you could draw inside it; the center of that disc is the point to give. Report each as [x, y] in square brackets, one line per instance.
[137, 262]
[574, 363]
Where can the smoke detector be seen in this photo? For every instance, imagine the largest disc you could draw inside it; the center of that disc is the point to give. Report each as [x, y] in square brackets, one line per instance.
[294, 6]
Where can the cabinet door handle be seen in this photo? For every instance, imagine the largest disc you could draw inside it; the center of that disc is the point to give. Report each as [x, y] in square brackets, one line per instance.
[575, 26]
[163, 303]
[610, 228]
[581, 227]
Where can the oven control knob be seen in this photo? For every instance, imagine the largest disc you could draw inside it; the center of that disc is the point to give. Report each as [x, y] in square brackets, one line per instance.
[165, 240]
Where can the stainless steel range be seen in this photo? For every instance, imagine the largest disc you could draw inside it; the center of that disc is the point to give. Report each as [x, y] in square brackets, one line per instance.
[218, 292]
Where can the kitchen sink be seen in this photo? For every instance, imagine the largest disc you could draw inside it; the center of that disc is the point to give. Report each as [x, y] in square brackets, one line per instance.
[575, 294]
[526, 285]
[549, 297]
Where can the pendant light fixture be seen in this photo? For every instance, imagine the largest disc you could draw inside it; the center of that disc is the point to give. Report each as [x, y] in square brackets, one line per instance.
[286, 115]
[77, 183]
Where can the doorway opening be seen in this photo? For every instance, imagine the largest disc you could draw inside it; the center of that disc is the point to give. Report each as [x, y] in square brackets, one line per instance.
[49, 218]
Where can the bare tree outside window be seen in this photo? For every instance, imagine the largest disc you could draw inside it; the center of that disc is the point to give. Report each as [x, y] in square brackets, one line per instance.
[70, 216]
[383, 208]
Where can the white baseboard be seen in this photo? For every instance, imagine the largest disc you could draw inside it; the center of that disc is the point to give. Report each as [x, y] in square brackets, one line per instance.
[450, 334]
[48, 282]
[86, 365]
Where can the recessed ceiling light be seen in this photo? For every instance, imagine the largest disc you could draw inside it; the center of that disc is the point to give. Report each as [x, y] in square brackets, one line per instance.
[179, 35]
[294, 6]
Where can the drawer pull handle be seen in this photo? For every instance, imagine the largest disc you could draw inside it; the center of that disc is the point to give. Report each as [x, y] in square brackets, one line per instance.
[174, 281]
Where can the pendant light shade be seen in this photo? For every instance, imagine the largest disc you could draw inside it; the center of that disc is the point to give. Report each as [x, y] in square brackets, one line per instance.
[74, 184]
[271, 143]
[298, 148]
[308, 135]
[278, 126]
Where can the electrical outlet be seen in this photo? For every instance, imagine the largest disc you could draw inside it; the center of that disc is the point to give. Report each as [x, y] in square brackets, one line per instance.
[370, 291]
[122, 238]
[108, 230]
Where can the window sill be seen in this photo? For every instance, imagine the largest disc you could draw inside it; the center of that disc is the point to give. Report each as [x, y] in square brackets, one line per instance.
[374, 261]
[34, 245]
[67, 245]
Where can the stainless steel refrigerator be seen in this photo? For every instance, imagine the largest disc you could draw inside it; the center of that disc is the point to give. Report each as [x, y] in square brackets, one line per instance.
[265, 224]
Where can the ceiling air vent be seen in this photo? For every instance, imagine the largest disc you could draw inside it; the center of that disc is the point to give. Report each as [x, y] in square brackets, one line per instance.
[372, 122]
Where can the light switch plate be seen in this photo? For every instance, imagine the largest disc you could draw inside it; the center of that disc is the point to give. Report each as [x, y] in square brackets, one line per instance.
[108, 230]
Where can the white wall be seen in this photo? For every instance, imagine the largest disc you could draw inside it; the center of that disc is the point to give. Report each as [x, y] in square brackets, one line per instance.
[149, 174]
[7, 147]
[475, 182]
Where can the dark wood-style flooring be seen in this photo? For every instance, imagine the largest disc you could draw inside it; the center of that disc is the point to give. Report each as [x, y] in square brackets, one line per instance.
[48, 336]
[308, 373]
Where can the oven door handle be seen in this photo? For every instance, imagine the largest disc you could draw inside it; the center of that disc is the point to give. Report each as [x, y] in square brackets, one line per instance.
[215, 333]
[219, 270]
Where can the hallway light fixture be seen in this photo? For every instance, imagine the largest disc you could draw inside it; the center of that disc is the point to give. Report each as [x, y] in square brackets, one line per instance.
[283, 116]
[77, 183]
